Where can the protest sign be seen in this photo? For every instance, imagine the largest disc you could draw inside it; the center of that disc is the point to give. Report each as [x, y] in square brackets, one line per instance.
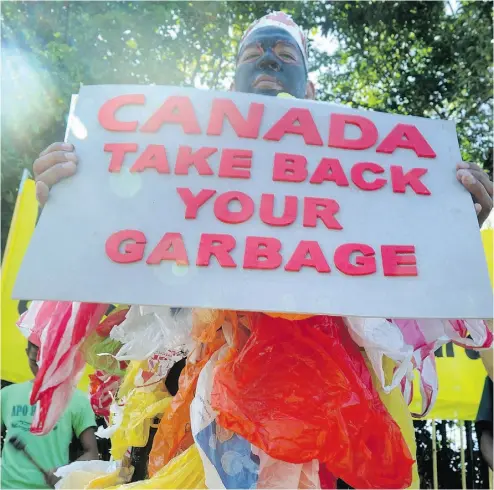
[194, 198]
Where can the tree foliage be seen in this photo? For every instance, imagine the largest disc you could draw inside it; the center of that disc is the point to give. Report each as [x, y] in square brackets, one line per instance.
[417, 58]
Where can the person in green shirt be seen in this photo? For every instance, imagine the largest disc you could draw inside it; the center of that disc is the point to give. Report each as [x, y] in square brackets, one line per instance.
[51, 450]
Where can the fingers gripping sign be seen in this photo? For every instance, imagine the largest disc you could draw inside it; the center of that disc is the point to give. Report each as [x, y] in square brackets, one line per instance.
[477, 182]
[55, 163]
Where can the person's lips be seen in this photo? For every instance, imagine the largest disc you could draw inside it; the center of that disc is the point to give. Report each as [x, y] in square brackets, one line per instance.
[266, 82]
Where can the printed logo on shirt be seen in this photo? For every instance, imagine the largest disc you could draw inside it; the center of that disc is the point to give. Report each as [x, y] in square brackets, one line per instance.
[21, 425]
[23, 410]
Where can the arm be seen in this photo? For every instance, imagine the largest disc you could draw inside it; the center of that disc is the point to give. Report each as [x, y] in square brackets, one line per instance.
[486, 446]
[89, 445]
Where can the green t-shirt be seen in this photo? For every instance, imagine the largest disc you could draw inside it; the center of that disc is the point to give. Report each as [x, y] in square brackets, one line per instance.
[50, 451]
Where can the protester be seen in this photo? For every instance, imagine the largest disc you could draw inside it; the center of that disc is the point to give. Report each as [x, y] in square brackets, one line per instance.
[272, 60]
[50, 451]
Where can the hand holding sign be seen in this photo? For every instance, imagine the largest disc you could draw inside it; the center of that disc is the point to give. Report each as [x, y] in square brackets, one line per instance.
[253, 203]
[477, 182]
[55, 163]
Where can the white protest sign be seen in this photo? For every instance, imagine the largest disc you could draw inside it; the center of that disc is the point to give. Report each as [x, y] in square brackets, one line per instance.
[224, 200]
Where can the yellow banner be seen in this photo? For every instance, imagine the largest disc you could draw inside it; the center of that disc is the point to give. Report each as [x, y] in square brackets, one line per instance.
[14, 363]
[461, 375]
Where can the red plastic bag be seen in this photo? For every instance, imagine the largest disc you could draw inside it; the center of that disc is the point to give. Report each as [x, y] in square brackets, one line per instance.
[300, 390]
[60, 360]
[102, 390]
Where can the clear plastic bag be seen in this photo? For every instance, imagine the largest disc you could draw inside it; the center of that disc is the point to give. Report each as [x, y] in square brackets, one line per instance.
[99, 352]
[147, 330]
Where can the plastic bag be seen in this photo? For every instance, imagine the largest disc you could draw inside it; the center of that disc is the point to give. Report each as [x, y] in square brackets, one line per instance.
[412, 343]
[226, 457]
[99, 349]
[92, 475]
[230, 461]
[34, 320]
[61, 363]
[147, 330]
[139, 410]
[174, 435]
[300, 390]
[184, 471]
[99, 353]
[114, 318]
[102, 390]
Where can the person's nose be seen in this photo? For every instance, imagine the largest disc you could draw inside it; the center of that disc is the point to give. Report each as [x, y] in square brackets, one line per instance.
[268, 61]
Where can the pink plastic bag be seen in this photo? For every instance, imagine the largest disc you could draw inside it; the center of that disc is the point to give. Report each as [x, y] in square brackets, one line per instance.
[412, 343]
[61, 363]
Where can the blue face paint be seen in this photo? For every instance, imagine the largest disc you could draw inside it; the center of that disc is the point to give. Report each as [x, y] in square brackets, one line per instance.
[270, 63]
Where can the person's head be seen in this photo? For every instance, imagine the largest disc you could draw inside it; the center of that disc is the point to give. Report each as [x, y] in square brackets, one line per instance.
[32, 355]
[272, 59]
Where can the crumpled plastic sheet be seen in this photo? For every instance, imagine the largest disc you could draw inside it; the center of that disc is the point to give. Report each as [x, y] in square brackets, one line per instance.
[114, 318]
[102, 390]
[300, 391]
[139, 411]
[174, 434]
[61, 363]
[99, 352]
[116, 418]
[147, 329]
[127, 385]
[92, 474]
[184, 471]
[229, 460]
[412, 343]
[33, 321]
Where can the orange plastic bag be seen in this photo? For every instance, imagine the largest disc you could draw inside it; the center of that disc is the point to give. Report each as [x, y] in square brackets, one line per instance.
[174, 435]
[300, 390]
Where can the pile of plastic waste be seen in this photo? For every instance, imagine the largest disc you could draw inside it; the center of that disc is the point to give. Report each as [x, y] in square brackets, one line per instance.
[263, 400]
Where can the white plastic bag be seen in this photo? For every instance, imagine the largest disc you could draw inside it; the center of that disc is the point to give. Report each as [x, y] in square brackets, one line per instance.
[148, 330]
[79, 473]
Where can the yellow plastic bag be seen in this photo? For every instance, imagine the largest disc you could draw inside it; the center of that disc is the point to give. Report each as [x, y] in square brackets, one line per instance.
[128, 383]
[93, 474]
[139, 410]
[184, 471]
[117, 477]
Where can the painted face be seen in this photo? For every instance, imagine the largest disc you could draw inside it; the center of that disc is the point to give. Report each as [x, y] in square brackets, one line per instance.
[271, 62]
